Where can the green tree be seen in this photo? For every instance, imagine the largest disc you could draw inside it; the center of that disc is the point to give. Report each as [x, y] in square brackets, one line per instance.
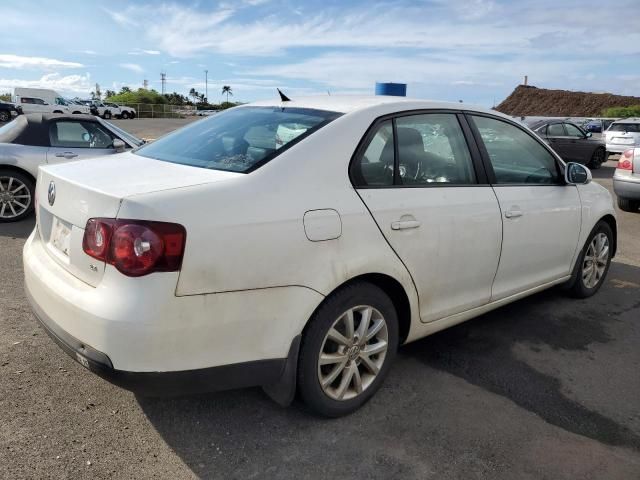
[622, 112]
[227, 89]
[5, 97]
[109, 94]
[125, 90]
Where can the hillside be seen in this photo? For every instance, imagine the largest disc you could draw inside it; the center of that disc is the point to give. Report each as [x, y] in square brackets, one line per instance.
[533, 101]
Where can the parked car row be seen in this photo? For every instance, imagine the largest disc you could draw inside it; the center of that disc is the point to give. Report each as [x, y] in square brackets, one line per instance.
[42, 100]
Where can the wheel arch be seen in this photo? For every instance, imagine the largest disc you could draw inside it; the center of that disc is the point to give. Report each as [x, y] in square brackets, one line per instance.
[14, 168]
[611, 221]
[391, 287]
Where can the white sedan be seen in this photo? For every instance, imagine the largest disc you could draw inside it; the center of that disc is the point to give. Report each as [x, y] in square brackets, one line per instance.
[295, 245]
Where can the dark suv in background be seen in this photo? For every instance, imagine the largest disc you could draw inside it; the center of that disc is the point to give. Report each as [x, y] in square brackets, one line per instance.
[7, 111]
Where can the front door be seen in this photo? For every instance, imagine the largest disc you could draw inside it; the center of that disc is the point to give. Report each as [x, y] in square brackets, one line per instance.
[417, 177]
[77, 140]
[541, 215]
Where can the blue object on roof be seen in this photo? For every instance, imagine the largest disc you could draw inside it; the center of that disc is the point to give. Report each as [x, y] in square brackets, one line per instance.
[394, 89]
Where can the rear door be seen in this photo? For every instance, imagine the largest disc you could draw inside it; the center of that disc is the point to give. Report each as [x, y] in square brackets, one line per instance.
[426, 190]
[541, 215]
[77, 140]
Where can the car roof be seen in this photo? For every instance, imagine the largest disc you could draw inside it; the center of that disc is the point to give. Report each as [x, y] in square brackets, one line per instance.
[353, 103]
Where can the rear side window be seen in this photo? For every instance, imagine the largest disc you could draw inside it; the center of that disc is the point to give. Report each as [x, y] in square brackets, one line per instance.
[432, 149]
[415, 150]
[238, 140]
[625, 127]
[375, 166]
[516, 157]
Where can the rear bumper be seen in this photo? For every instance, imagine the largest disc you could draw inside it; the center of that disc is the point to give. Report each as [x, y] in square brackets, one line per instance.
[626, 188]
[618, 148]
[239, 375]
[138, 325]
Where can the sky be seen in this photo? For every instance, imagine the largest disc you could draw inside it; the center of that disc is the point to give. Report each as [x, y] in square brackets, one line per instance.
[471, 50]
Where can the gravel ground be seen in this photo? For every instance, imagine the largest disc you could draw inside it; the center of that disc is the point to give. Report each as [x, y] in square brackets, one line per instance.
[547, 387]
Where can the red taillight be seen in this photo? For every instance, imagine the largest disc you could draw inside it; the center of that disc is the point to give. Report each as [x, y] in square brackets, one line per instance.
[626, 160]
[135, 247]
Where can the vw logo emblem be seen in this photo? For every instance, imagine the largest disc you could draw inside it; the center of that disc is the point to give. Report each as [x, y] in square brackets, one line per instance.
[52, 193]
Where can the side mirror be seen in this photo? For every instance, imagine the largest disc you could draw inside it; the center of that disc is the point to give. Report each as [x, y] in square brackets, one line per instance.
[119, 145]
[577, 174]
[588, 134]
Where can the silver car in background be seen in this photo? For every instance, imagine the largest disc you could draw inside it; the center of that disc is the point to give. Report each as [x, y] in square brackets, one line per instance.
[37, 139]
[622, 135]
[626, 180]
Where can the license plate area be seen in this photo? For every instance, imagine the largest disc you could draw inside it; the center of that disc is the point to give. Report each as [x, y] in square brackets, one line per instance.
[60, 238]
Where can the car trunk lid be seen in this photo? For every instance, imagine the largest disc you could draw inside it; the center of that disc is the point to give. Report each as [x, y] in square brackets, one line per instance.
[69, 194]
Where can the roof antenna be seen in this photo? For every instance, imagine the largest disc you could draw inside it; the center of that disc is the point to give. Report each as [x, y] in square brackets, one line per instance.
[283, 97]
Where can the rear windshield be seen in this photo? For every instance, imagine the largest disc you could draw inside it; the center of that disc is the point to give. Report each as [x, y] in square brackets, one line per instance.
[238, 140]
[625, 127]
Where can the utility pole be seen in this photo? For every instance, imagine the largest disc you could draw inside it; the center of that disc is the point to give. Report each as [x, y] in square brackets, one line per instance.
[206, 85]
[163, 79]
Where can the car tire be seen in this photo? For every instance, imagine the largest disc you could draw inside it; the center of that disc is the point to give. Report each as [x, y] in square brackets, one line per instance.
[598, 157]
[107, 115]
[627, 205]
[352, 373]
[23, 192]
[5, 116]
[590, 259]
[124, 115]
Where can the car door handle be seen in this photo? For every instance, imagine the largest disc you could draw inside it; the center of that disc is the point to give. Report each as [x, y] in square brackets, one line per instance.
[404, 224]
[66, 155]
[513, 213]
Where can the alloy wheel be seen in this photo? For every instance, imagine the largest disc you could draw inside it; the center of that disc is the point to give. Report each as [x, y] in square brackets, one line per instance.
[595, 260]
[15, 198]
[353, 352]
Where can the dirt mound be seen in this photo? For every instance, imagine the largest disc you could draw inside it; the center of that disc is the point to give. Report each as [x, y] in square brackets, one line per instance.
[527, 100]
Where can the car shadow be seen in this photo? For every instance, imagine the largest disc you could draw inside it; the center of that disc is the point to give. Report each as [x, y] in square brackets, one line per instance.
[239, 433]
[21, 229]
[606, 170]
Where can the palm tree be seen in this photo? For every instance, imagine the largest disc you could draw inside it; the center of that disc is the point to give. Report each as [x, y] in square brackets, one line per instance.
[227, 89]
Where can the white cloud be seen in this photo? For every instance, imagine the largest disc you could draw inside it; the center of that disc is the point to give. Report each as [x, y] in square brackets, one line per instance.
[69, 84]
[141, 51]
[17, 61]
[134, 67]
[122, 19]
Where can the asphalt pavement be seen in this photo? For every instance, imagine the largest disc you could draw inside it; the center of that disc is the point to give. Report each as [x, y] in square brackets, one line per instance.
[547, 387]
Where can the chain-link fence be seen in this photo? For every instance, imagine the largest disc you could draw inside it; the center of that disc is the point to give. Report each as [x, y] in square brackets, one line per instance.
[146, 110]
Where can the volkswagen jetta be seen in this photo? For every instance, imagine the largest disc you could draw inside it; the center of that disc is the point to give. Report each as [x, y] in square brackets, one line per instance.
[295, 245]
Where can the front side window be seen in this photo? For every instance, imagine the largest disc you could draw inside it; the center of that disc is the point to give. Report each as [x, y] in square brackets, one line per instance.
[555, 130]
[80, 135]
[516, 157]
[573, 131]
[432, 150]
[238, 140]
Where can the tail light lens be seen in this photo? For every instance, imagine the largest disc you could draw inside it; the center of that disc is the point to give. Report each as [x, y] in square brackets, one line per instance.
[626, 160]
[135, 247]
